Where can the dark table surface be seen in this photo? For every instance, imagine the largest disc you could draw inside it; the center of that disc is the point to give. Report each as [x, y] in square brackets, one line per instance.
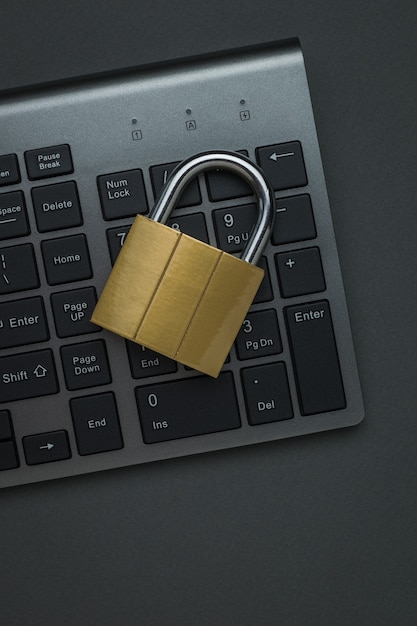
[319, 530]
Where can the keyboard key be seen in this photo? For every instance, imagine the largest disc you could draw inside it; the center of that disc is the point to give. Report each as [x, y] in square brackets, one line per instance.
[186, 408]
[85, 365]
[122, 194]
[72, 312]
[96, 423]
[267, 393]
[5, 426]
[66, 260]
[56, 206]
[264, 293]
[283, 165]
[145, 362]
[160, 175]
[27, 375]
[8, 455]
[18, 270]
[115, 239]
[9, 170]
[300, 272]
[294, 220]
[13, 215]
[22, 322]
[314, 353]
[48, 162]
[223, 185]
[259, 335]
[234, 225]
[193, 225]
[46, 447]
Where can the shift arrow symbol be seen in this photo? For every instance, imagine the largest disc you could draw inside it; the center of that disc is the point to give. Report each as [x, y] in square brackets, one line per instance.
[40, 371]
[48, 446]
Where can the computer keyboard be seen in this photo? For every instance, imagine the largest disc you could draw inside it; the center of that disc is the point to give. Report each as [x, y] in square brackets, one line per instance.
[77, 162]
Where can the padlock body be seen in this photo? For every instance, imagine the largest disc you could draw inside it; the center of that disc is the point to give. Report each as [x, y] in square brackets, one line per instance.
[177, 295]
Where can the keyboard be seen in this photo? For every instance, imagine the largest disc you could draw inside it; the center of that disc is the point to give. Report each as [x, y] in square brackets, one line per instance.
[78, 160]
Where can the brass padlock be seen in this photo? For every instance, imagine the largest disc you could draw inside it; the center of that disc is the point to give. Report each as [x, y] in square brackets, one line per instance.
[177, 295]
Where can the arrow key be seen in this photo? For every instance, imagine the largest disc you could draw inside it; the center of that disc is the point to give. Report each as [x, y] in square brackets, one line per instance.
[283, 165]
[46, 447]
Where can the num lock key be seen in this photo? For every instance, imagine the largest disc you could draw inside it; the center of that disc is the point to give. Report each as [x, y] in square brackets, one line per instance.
[177, 295]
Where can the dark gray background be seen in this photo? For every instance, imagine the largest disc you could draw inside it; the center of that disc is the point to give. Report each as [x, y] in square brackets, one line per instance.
[319, 530]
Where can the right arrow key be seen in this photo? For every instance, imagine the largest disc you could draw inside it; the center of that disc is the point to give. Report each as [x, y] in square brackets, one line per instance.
[46, 447]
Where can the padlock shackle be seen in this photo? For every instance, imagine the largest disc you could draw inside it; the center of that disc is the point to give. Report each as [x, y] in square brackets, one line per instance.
[233, 162]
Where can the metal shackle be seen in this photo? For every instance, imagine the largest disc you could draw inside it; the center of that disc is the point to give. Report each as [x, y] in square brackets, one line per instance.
[233, 162]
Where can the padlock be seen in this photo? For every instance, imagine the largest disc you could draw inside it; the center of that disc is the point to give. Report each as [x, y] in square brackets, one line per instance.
[177, 295]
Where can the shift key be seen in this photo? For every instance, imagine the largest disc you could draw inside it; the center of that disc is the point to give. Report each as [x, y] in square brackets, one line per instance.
[316, 362]
[27, 375]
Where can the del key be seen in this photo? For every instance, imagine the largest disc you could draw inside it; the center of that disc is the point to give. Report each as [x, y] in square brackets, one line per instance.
[314, 352]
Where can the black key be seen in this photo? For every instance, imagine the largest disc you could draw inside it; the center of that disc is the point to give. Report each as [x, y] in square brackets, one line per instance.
[283, 165]
[48, 162]
[27, 375]
[85, 365]
[96, 423]
[5, 425]
[9, 170]
[185, 408]
[122, 194]
[116, 238]
[13, 215]
[145, 362]
[160, 174]
[8, 455]
[56, 206]
[264, 293]
[66, 259]
[294, 220]
[234, 225]
[300, 272]
[22, 322]
[18, 269]
[316, 362]
[72, 311]
[267, 393]
[259, 335]
[46, 447]
[193, 225]
[224, 185]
